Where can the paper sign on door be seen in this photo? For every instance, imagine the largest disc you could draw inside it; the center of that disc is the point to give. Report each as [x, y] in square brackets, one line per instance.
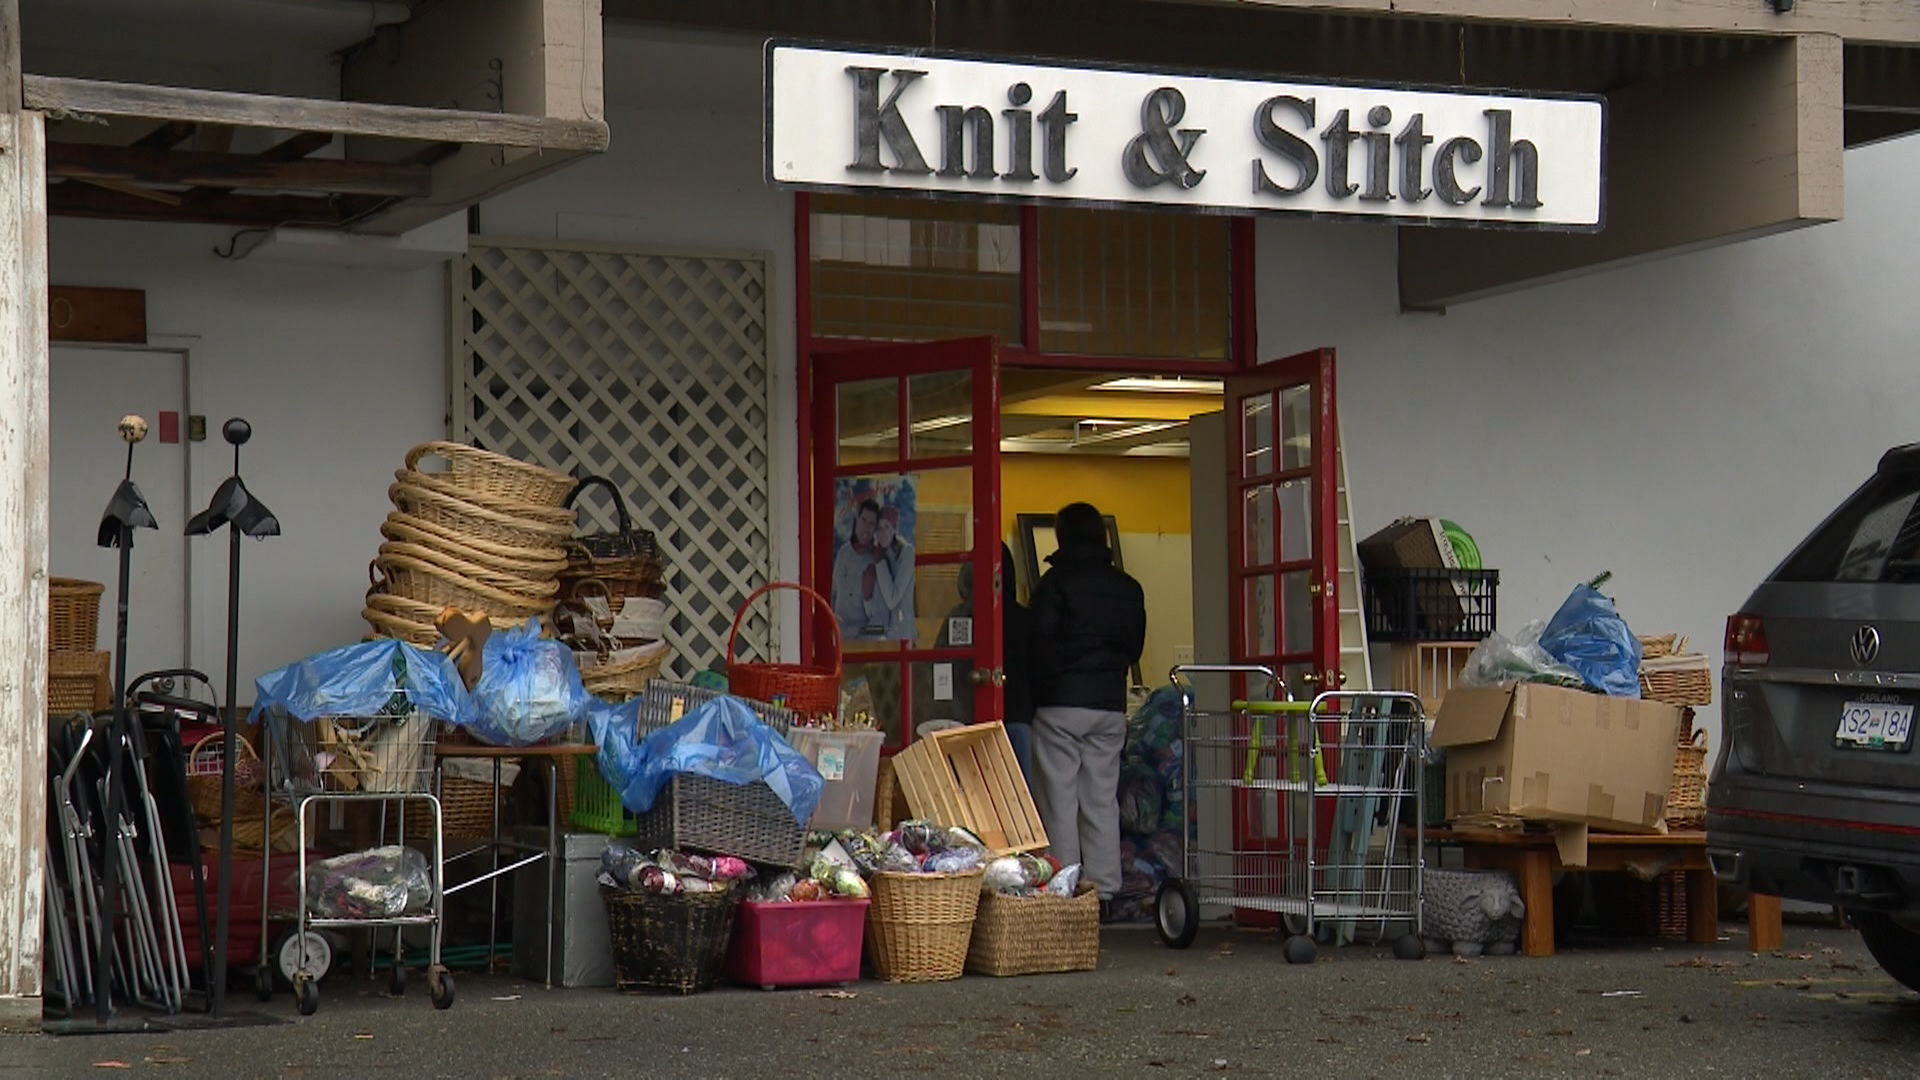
[943, 682]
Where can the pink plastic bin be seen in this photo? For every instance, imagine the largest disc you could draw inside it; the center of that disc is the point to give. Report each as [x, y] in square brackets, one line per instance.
[802, 943]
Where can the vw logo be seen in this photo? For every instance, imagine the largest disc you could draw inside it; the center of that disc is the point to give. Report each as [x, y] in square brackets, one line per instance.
[1865, 645]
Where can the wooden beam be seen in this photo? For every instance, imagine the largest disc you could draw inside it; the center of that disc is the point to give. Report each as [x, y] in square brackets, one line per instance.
[1745, 148]
[243, 211]
[99, 316]
[240, 172]
[295, 147]
[87, 96]
[166, 136]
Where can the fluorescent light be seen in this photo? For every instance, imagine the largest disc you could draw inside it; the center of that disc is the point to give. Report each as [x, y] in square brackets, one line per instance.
[1156, 385]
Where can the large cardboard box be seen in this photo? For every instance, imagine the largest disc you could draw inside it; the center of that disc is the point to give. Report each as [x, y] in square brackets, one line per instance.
[1545, 753]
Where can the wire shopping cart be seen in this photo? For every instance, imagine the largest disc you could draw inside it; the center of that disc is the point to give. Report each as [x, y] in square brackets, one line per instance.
[1273, 769]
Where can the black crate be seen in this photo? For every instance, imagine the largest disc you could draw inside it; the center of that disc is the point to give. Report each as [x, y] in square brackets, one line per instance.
[1430, 605]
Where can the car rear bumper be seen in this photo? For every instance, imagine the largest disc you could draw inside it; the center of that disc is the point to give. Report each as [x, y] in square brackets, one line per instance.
[1816, 843]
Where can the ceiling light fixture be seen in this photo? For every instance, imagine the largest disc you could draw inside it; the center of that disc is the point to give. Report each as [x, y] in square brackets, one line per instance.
[1160, 385]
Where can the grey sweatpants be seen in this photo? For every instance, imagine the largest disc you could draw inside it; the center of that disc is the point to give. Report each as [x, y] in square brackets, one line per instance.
[1076, 764]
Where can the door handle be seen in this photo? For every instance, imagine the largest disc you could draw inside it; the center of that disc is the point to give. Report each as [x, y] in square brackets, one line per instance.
[988, 677]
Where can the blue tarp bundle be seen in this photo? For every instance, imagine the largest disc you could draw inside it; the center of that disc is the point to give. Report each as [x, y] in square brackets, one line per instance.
[361, 680]
[721, 739]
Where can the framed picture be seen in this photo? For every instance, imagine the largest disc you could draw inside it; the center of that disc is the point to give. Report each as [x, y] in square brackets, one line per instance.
[875, 525]
[1034, 540]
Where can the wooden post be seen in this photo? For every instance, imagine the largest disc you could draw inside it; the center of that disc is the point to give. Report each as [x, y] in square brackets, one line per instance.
[23, 520]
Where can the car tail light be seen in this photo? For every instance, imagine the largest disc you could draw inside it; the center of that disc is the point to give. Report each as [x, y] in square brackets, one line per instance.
[1747, 641]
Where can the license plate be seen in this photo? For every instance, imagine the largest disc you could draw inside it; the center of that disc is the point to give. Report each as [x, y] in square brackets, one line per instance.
[1875, 725]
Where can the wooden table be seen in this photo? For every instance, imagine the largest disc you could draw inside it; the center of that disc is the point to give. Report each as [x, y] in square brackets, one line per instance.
[552, 756]
[1532, 859]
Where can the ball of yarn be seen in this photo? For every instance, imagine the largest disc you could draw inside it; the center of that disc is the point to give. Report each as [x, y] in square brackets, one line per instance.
[133, 428]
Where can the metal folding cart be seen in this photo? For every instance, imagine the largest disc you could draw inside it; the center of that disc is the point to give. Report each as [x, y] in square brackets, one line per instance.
[386, 761]
[1276, 768]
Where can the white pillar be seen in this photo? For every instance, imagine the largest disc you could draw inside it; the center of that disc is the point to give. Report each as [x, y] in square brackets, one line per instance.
[23, 557]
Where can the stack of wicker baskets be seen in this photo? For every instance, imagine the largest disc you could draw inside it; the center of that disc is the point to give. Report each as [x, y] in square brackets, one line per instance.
[1674, 676]
[484, 535]
[78, 679]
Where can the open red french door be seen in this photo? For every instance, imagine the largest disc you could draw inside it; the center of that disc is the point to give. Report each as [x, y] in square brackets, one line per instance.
[1282, 591]
[905, 494]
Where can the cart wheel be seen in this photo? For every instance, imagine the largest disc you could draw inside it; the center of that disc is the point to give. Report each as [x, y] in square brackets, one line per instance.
[1299, 949]
[440, 987]
[1409, 947]
[263, 983]
[397, 980]
[1176, 914]
[319, 959]
[306, 993]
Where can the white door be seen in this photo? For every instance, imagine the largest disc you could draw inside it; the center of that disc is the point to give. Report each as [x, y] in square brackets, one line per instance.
[91, 390]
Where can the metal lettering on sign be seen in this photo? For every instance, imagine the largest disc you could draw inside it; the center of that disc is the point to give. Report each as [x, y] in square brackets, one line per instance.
[912, 122]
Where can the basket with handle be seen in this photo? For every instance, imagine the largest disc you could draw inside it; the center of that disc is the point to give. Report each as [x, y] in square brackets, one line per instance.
[73, 614]
[494, 475]
[625, 562]
[205, 767]
[1686, 799]
[807, 689]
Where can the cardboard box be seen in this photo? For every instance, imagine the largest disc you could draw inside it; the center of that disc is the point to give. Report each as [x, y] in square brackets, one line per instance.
[1545, 753]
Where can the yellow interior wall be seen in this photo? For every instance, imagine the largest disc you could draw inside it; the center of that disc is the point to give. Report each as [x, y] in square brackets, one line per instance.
[1144, 494]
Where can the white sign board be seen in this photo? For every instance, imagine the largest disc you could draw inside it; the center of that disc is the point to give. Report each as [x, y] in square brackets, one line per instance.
[907, 123]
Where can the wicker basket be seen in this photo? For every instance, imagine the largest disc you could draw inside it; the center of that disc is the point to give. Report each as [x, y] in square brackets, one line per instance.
[1667, 911]
[480, 522]
[530, 562]
[1687, 798]
[77, 682]
[889, 801]
[920, 925]
[430, 584]
[1033, 935]
[625, 675]
[625, 562]
[73, 614]
[495, 476]
[203, 780]
[1684, 679]
[669, 944]
[1653, 647]
[422, 613]
[807, 689]
[523, 584]
[249, 831]
[699, 813]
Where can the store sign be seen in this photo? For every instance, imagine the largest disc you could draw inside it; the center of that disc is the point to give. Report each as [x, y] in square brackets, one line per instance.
[901, 122]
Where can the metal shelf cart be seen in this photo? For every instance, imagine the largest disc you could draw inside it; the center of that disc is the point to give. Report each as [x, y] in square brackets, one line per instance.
[1278, 766]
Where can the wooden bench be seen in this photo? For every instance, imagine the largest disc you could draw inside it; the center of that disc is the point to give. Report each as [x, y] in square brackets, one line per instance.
[1532, 859]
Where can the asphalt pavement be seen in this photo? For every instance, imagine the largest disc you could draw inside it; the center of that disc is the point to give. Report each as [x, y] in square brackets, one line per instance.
[1228, 1005]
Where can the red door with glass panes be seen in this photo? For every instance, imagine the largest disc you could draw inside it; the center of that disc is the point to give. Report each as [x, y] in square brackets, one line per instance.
[905, 495]
[1283, 599]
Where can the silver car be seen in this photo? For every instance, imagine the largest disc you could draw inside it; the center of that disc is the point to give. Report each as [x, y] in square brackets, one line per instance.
[1816, 791]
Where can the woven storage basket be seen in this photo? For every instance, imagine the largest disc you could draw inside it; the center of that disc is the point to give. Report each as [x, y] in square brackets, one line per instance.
[438, 483]
[538, 564]
[807, 689]
[423, 613]
[393, 626]
[1653, 647]
[920, 925]
[248, 831]
[77, 682]
[495, 475]
[625, 563]
[203, 780]
[481, 522]
[1687, 798]
[699, 813]
[1682, 679]
[669, 944]
[1032, 935]
[73, 614]
[429, 584]
[1666, 905]
[534, 584]
[623, 676]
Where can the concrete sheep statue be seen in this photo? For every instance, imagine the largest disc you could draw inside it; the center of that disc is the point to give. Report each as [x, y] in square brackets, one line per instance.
[1470, 912]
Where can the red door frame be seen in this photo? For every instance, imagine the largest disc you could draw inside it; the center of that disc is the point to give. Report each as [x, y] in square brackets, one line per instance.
[901, 362]
[1243, 314]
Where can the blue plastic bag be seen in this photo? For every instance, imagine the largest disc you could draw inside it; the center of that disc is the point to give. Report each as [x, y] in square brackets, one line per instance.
[1590, 637]
[362, 680]
[721, 739]
[529, 689]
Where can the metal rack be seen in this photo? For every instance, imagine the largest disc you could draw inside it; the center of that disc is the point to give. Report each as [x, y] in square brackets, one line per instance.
[1317, 792]
[387, 760]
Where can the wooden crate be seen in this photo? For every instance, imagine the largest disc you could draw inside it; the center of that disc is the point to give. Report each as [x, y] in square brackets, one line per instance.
[1429, 669]
[968, 776]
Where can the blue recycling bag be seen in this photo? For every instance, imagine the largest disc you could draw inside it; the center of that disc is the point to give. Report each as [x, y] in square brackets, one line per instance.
[721, 739]
[1590, 637]
[363, 680]
[529, 688]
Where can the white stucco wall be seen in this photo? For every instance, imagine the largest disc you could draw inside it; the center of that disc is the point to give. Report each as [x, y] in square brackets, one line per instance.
[1682, 424]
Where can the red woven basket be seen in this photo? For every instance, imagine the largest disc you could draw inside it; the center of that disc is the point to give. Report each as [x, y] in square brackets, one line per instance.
[807, 689]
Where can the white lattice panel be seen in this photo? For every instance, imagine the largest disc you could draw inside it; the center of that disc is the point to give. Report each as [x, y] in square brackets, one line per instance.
[650, 370]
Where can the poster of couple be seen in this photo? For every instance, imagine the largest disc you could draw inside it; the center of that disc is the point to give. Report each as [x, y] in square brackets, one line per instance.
[873, 535]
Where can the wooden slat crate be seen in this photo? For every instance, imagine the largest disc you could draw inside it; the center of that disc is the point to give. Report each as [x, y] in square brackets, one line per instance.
[1429, 669]
[968, 776]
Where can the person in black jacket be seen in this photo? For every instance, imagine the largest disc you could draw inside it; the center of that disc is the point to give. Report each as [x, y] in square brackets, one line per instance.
[1016, 644]
[1089, 628]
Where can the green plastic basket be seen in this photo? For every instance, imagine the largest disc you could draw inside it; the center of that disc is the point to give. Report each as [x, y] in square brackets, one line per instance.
[596, 806]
